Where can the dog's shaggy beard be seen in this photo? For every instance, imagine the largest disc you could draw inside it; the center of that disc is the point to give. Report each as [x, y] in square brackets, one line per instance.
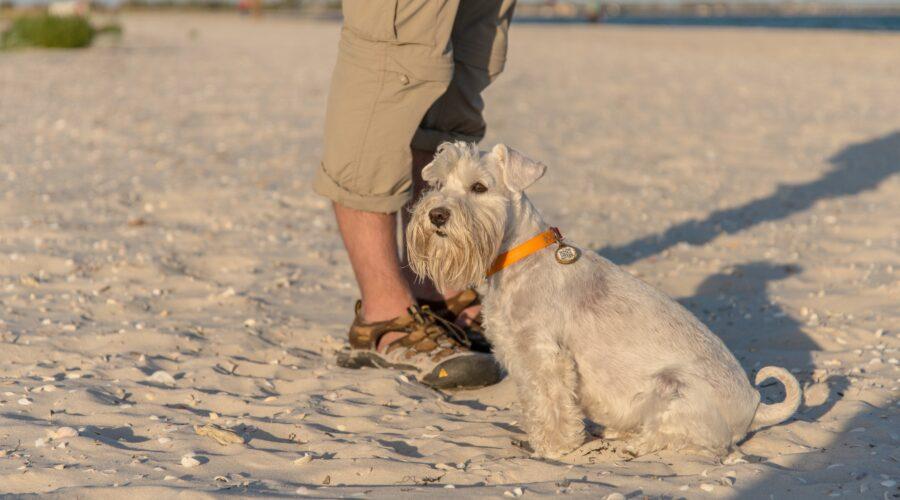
[462, 257]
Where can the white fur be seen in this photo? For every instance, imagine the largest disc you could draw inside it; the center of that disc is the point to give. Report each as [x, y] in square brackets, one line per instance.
[585, 339]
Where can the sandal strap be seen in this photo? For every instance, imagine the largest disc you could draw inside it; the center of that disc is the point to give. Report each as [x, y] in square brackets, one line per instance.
[422, 329]
[457, 332]
[367, 335]
[452, 307]
[462, 301]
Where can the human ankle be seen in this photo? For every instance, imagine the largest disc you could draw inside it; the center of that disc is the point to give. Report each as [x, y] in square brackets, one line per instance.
[375, 311]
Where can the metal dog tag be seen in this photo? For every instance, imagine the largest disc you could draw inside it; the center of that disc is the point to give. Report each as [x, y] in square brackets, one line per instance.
[566, 254]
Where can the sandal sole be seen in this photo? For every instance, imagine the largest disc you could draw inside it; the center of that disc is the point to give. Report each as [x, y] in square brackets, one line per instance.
[464, 372]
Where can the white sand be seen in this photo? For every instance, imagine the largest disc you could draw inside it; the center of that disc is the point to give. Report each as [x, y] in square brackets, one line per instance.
[164, 263]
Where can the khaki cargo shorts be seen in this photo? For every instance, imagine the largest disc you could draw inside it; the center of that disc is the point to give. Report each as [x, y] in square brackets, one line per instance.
[409, 74]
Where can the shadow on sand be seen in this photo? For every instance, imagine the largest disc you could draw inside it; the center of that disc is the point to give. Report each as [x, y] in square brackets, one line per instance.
[858, 168]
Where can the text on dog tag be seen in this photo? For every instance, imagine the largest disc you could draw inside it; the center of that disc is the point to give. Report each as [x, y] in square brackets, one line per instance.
[566, 254]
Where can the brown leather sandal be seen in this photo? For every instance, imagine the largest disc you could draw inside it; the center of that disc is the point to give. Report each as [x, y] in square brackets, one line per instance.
[431, 345]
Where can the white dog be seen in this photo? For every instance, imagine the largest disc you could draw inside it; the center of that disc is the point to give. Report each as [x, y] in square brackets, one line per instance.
[578, 335]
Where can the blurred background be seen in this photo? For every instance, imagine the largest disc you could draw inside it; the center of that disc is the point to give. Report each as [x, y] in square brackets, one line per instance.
[844, 14]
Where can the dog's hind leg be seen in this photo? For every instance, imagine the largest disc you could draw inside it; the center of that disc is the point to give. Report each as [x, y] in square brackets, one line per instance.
[677, 415]
[546, 384]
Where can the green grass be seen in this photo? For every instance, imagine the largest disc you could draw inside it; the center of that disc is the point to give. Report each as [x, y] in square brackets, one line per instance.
[44, 30]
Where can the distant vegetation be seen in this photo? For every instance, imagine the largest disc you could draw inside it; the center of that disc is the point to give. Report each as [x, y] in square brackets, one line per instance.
[45, 30]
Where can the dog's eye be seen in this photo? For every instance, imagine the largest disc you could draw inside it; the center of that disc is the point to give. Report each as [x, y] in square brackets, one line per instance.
[478, 188]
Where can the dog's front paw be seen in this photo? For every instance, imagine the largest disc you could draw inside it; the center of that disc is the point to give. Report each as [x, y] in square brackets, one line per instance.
[554, 447]
[548, 454]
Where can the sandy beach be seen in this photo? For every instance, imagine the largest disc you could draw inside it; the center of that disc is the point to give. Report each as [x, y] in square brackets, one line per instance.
[164, 263]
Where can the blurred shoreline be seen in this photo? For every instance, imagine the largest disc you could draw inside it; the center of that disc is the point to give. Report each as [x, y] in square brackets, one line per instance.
[855, 22]
[886, 23]
[871, 17]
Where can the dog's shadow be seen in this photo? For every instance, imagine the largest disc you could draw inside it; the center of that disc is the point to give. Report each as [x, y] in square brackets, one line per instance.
[737, 307]
[735, 304]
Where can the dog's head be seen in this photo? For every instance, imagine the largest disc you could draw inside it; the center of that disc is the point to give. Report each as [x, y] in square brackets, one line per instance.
[458, 226]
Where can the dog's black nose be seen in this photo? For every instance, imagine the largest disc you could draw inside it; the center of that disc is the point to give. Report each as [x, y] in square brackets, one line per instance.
[439, 216]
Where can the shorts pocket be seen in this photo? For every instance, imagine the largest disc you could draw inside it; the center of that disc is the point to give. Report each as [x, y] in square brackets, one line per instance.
[423, 21]
[371, 19]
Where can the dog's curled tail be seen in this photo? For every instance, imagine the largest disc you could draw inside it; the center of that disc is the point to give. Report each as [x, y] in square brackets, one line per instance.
[766, 414]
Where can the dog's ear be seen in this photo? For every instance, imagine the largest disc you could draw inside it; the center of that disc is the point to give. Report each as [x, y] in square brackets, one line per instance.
[518, 170]
[446, 157]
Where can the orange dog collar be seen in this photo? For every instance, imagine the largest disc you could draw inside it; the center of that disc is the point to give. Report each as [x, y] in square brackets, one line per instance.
[564, 254]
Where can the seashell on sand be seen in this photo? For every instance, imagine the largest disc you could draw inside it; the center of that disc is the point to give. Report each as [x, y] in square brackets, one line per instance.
[219, 434]
[162, 377]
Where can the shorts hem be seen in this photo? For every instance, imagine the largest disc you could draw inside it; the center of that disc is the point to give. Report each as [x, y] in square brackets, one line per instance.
[325, 186]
